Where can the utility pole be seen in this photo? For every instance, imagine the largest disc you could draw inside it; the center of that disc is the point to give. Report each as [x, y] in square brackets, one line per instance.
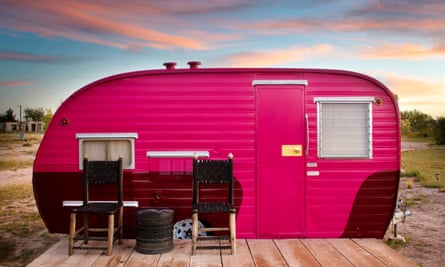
[20, 117]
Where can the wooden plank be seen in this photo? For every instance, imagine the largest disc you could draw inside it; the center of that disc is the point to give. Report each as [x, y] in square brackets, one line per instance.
[137, 259]
[119, 255]
[179, 256]
[206, 257]
[384, 253]
[265, 253]
[325, 253]
[83, 257]
[354, 253]
[295, 253]
[54, 256]
[292, 252]
[242, 257]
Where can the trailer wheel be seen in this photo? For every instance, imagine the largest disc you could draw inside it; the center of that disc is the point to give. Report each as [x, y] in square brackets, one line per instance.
[183, 229]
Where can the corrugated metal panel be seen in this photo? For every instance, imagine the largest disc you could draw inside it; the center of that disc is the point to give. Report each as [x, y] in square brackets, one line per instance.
[200, 114]
[214, 110]
[341, 182]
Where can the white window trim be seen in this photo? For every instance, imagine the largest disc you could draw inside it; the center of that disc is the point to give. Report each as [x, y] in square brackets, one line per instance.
[279, 82]
[177, 154]
[359, 100]
[353, 99]
[107, 137]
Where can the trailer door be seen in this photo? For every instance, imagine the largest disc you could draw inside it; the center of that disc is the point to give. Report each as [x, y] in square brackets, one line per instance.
[280, 159]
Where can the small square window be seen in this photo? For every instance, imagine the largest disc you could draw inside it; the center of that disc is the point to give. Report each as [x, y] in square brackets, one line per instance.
[344, 127]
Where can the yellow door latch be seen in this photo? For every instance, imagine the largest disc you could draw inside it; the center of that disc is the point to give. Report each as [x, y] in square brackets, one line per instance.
[291, 150]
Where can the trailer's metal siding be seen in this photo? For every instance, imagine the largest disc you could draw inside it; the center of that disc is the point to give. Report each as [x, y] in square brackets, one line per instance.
[214, 110]
[168, 112]
[353, 194]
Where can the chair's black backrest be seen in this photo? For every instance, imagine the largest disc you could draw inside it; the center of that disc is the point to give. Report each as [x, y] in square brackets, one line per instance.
[212, 172]
[102, 172]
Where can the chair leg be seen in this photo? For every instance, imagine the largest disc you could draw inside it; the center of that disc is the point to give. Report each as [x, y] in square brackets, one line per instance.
[121, 226]
[110, 238]
[195, 226]
[232, 226]
[72, 233]
[86, 231]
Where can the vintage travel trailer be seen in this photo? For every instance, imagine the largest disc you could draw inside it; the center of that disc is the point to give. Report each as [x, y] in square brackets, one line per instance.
[316, 151]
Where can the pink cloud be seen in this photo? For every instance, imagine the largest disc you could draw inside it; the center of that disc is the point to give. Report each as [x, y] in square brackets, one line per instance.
[350, 24]
[10, 55]
[417, 93]
[277, 57]
[14, 83]
[402, 51]
[118, 24]
[413, 86]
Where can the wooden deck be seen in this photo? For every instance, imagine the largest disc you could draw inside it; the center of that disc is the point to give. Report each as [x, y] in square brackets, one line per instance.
[250, 252]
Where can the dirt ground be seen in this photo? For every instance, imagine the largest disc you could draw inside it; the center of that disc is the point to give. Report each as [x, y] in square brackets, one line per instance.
[424, 230]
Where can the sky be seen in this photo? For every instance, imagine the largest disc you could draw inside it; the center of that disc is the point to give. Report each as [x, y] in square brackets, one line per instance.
[49, 49]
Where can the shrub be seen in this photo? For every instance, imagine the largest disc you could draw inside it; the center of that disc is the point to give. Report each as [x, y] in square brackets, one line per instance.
[439, 131]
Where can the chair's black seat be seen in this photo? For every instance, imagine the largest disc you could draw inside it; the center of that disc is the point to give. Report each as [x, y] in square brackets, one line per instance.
[104, 208]
[212, 207]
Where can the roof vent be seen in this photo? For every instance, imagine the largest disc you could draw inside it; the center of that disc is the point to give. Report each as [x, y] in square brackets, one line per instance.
[170, 65]
[194, 64]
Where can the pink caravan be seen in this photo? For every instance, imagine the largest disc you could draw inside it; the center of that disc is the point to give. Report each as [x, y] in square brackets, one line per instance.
[316, 151]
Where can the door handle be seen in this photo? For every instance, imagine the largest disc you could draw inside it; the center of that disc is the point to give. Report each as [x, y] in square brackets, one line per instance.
[306, 116]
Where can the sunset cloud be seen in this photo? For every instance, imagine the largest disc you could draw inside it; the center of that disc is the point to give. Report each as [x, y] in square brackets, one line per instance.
[261, 58]
[26, 57]
[14, 83]
[402, 51]
[418, 93]
[413, 86]
[394, 29]
[63, 45]
[117, 25]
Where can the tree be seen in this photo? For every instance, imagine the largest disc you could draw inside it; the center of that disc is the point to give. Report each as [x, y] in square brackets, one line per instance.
[8, 117]
[34, 114]
[47, 118]
[439, 131]
[419, 122]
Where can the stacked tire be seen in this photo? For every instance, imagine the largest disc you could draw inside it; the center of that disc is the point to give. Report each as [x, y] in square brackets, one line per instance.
[154, 231]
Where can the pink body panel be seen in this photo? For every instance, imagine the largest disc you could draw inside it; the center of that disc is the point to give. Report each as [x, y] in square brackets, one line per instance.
[216, 110]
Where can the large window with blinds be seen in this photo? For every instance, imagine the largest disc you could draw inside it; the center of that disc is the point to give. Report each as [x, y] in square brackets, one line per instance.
[344, 127]
[107, 146]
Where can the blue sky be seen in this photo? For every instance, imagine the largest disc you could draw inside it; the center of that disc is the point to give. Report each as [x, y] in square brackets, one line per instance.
[49, 49]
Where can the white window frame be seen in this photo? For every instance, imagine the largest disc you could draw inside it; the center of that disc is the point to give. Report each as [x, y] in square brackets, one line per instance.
[343, 100]
[82, 137]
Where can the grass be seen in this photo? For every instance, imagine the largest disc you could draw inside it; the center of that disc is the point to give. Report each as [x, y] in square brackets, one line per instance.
[396, 243]
[19, 221]
[9, 141]
[29, 138]
[424, 164]
[429, 140]
[19, 225]
[14, 164]
[23, 235]
[17, 214]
